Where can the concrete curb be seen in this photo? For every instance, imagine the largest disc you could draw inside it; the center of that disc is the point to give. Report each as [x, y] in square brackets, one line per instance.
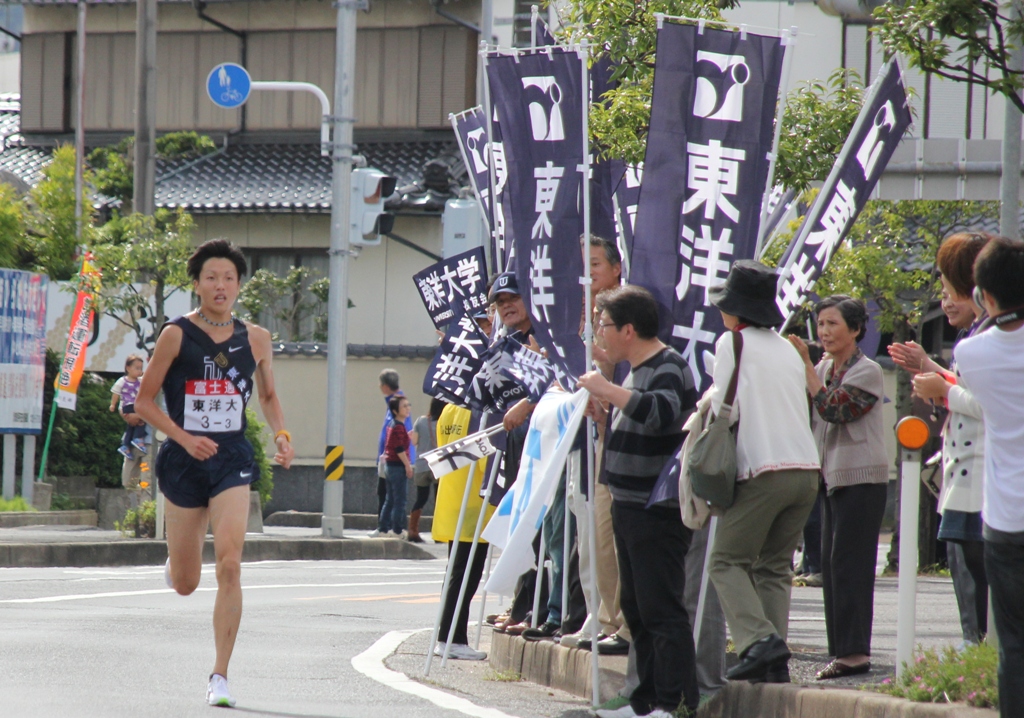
[17, 519]
[148, 552]
[568, 669]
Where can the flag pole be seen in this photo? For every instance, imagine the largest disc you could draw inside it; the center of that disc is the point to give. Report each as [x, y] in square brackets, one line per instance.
[498, 260]
[483, 597]
[698, 620]
[448, 569]
[538, 584]
[469, 566]
[534, 14]
[787, 61]
[588, 342]
[53, 406]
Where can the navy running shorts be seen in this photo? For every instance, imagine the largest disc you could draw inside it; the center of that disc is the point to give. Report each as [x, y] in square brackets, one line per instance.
[190, 483]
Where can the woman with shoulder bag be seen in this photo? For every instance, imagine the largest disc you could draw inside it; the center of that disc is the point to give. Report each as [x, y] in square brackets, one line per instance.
[777, 473]
[846, 392]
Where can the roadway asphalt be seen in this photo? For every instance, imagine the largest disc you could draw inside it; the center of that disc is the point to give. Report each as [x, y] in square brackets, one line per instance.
[115, 641]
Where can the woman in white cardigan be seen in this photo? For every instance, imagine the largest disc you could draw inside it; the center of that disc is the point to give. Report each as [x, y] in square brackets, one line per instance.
[963, 457]
[846, 392]
[777, 466]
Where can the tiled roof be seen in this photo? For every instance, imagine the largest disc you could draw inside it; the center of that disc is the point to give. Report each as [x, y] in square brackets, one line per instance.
[279, 178]
[244, 177]
[24, 163]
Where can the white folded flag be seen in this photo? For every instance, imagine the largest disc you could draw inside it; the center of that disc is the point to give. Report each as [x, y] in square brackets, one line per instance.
[553, 428]
[461, 452]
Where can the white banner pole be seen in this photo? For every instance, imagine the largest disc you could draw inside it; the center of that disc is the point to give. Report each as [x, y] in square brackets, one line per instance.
[448, 571]
[469, 568]
[495, 463]
[698, 620]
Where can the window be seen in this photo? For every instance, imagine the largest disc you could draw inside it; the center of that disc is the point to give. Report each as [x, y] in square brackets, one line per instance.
[290, 316]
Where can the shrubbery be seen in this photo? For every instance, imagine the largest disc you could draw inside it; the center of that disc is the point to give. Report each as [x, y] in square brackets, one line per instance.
[970, 677]
[84, 441]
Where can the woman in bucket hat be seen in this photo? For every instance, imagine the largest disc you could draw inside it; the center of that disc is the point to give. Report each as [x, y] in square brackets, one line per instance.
[777, 467]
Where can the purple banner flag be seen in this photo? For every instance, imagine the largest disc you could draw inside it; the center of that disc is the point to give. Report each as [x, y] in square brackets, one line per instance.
[539, 99]
[457, 361]
[705, 169]
[627, 198]
[874, 137]
[454, 286]
[526, 367]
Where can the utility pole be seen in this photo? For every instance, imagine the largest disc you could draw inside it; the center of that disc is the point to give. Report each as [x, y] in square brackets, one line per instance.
[145, 107]
[1009, 186]
[80, 120]
[332, 523]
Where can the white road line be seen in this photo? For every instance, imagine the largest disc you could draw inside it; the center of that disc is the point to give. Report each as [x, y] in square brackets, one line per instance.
[371, 664]
[153, 592]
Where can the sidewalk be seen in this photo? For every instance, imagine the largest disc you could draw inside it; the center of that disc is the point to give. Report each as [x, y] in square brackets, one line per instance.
[37, 546]
[938, 625]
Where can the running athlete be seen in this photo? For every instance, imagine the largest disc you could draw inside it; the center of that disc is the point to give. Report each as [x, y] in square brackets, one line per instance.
[206, 362]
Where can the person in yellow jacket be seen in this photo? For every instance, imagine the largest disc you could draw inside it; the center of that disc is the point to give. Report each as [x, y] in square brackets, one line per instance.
[454, 424]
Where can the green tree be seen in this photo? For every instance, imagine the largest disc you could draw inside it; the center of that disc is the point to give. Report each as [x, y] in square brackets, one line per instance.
[143, 249]
[13, 240]
[290, 299]
[818, 115]
[961, 40]
[113, 166]
[52, 228]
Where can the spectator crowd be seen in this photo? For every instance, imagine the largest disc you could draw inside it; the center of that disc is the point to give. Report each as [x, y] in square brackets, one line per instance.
[812, 472]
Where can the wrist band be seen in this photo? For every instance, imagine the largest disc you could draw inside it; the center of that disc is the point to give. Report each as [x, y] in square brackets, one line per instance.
[285, 433]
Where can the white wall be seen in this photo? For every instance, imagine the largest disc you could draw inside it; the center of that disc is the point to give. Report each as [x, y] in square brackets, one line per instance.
[10, 72]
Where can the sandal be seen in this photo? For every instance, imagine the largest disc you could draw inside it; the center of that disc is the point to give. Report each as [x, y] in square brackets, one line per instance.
[835, 669]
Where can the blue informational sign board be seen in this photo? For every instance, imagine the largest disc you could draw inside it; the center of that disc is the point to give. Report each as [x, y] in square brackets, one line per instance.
[228, 85]
[22, 351]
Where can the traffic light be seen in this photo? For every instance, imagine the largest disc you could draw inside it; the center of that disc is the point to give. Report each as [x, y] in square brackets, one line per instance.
[368, 220]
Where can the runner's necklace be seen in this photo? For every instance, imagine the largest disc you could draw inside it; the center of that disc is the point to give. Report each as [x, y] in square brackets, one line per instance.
[228, 323]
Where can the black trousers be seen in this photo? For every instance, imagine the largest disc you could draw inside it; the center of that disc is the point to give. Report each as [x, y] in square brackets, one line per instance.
[967, 567]
[652, 545]
[461, 559]
[382, 494]
[1004, 565]
[851, 520]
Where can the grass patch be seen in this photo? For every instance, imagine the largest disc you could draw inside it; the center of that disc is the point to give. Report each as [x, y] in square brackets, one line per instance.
[15, 504]
[949, 677]
[508, 676]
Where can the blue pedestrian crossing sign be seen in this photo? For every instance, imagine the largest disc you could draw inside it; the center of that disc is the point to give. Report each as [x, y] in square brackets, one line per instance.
[228, 85]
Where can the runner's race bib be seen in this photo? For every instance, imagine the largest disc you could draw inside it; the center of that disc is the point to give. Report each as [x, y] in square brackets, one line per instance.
[212, 405]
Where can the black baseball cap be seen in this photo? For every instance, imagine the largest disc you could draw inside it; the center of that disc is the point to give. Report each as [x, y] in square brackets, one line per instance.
[504, 283]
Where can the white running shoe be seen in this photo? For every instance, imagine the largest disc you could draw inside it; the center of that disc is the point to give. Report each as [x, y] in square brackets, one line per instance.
[217, 693]
[167, 573]
[461, 652]
[625, 711]
[374, 534]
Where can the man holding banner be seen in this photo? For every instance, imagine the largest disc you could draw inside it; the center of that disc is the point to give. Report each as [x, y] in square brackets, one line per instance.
[646, 431]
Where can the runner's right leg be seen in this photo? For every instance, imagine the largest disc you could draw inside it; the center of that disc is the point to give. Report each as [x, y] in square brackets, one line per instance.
[186, 531]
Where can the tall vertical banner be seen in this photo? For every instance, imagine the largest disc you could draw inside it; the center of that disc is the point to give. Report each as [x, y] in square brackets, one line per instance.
[876, 133]
[73, 365]
[627, 180]
[22, 351]
[705, 169]
[539, 100]
[471, 132]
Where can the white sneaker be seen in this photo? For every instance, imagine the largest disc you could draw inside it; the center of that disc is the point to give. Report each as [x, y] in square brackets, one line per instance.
[167, 573]
[373, 534]
[625, 711]
[217, 693]
[460, 651]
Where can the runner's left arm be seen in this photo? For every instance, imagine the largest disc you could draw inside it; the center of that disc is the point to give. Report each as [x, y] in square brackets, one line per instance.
[259, 340]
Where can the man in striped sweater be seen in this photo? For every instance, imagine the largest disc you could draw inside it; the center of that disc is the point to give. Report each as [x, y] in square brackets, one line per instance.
[648, 412]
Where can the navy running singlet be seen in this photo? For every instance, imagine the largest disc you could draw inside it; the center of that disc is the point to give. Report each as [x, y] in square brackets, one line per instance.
[208, 385]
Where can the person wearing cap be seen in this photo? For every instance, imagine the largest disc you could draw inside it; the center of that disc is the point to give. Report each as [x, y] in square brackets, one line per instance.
[777, 473]
[511, 310]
